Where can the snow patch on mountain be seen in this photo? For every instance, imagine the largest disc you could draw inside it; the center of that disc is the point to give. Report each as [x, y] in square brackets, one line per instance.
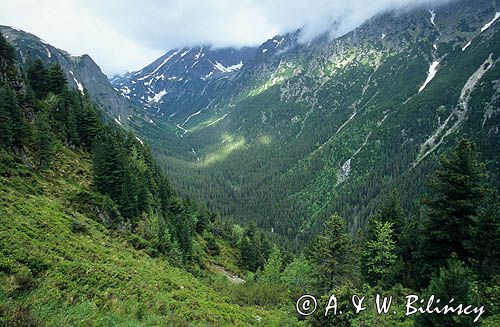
[228, 69]
[430, 75]
[199, 54]
[433, 17]
[157, 97]
[78, 84]
[488, 25]
[467, 45]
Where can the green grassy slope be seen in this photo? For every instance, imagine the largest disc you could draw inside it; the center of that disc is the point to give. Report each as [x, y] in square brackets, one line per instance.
[60, 267]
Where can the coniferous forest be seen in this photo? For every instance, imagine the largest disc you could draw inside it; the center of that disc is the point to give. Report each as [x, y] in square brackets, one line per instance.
[95, 232]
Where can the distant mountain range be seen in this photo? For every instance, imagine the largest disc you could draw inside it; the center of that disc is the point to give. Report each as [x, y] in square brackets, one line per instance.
[292, 131]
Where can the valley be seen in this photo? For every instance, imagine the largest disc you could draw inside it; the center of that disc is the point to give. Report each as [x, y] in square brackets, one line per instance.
[221, 186]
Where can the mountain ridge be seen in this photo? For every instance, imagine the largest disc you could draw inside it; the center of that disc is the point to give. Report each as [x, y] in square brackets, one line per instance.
[81, 72]
[306, 128]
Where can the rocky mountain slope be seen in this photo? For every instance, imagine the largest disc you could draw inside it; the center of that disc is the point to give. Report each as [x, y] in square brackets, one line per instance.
[180, 78]
[82, 72]
[304, 129]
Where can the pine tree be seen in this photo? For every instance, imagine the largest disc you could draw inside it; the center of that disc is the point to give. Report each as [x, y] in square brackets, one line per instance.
[6, 134]
[72, 126]
[250, 248]
[272, 268]
[484, 246]
[332, 255]
[108, 166]
[379, 253]
[43, 140]
[459, 192]
[391, 211]
[20, 129]
[56, 79]
[38, 78]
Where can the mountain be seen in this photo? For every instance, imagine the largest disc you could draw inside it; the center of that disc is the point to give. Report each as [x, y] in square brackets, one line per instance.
[180, 77]
[306, 128]
[92, 232]
[82, 72]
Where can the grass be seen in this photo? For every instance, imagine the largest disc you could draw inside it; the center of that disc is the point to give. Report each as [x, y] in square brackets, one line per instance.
[61, 267]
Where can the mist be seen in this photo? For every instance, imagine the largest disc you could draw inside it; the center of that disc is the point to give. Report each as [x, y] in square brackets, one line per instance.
[126, 35]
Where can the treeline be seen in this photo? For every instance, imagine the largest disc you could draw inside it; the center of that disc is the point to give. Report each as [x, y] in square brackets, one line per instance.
[130, 194]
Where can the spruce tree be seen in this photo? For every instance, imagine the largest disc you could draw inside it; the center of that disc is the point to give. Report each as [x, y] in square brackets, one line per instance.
[38, 78]
[88, 121]
[459, 192]
[484, 246]
[6, 134]
[272, 268]
[332, 255]
[181, 228]
[8, 69]
[108, 165]
[43, 140]
[56, 79]
[391, 211]
[6, 51]
[379, 253]
[72, 125]
[249, 257]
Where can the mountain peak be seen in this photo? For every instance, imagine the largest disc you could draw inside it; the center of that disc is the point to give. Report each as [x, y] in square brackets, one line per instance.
[180, 70]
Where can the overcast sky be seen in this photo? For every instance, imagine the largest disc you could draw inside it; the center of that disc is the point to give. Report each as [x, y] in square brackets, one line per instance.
[125, 35]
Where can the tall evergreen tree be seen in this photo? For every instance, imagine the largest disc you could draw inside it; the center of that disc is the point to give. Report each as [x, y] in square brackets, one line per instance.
[19, 128]
[332, 254]
[459, 192]
[56, 79]
[72, 125]
[43, 140]
[379, 254]
[6, 134]
[8, 71]
[391, 211]
[6, 51]
[272, 268]
[38, 78]
[249, 248]
[108, 165]
[484, 246]
[88, 121]
[181, 228]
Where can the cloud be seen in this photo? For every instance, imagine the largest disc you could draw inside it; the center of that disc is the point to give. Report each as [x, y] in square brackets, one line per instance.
[72, 26]
[126, 35]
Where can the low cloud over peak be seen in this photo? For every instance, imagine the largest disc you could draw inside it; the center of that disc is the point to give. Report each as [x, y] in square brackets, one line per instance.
[126, 35]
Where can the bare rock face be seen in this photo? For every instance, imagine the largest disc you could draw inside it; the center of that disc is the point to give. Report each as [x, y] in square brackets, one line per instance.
[82, 72]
